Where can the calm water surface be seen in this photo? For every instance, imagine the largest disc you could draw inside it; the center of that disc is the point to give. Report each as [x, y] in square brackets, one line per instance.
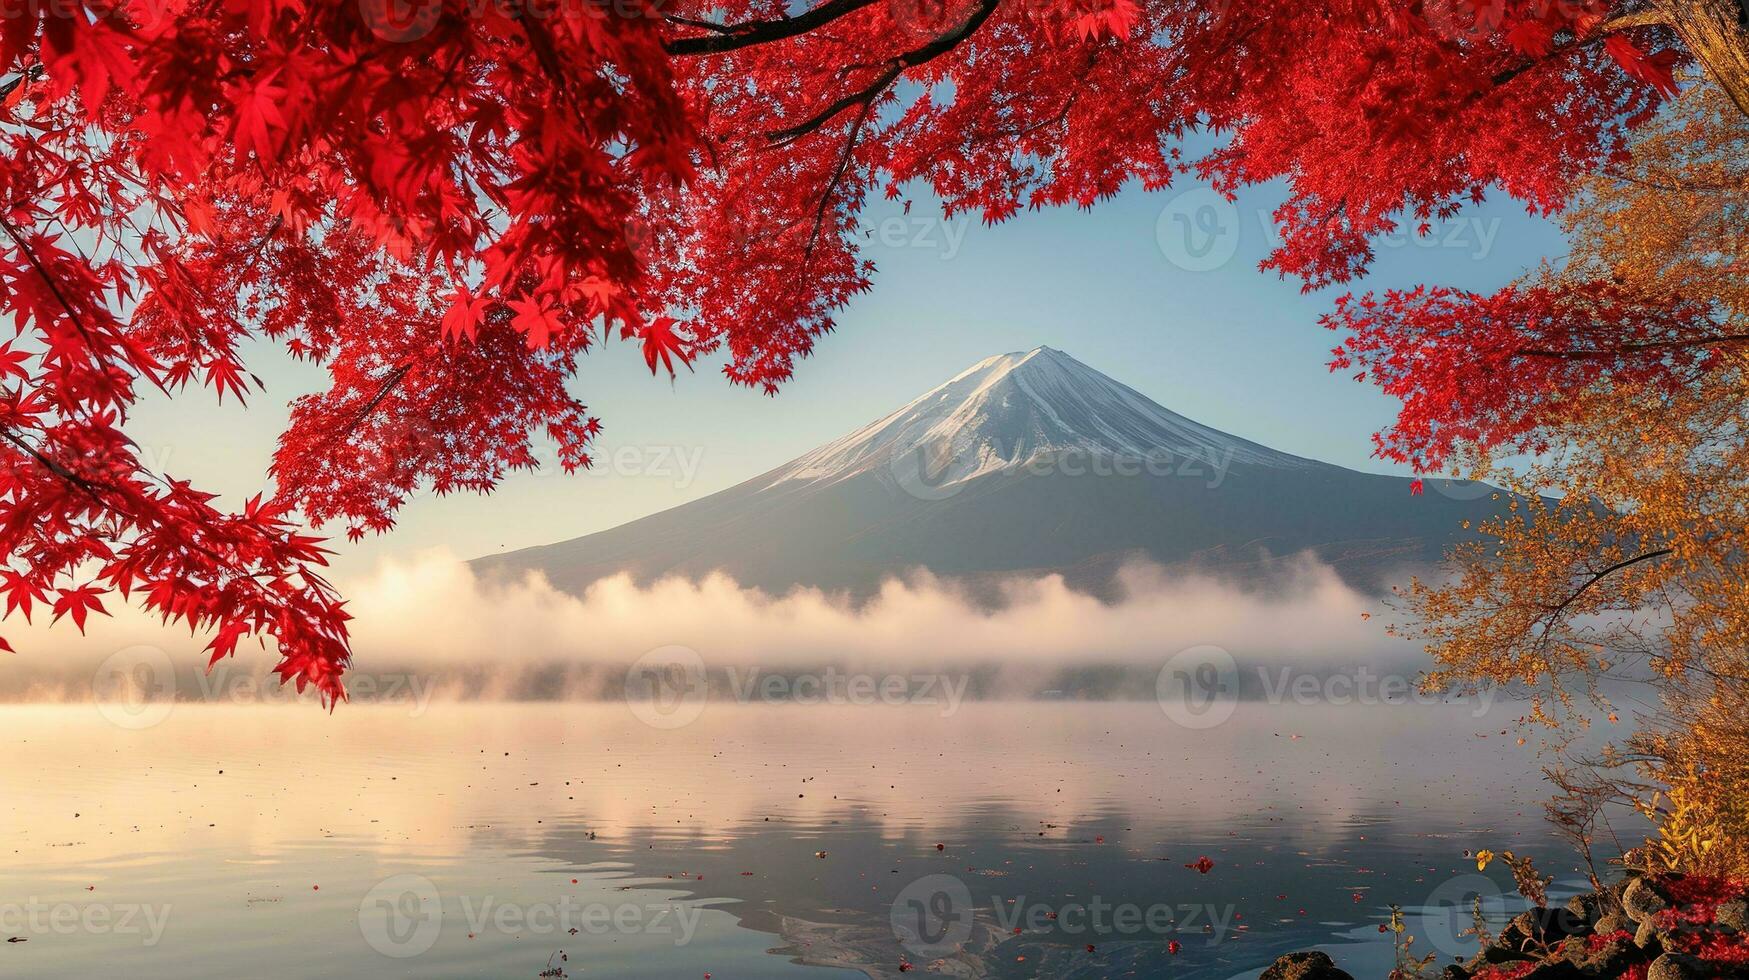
[999, 841]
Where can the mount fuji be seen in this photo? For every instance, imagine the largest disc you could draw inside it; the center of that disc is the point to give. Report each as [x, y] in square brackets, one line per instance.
[1026, 463]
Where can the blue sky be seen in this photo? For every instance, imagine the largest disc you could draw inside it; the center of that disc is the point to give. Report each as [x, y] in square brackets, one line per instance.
[1217, 341]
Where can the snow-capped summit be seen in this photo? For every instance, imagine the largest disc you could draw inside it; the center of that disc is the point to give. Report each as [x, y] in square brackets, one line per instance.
[1011, 409]
[1024, 464]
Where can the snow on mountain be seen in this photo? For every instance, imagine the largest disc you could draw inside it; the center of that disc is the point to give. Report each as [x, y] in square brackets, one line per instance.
[1010, 410]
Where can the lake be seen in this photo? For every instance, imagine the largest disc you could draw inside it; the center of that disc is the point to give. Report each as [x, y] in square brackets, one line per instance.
[1047, 838]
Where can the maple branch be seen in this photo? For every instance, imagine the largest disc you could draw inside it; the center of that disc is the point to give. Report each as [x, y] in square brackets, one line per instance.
[48, 280]
[388, 385]
[544, 53]
[1060, 118]
[867, 95]
[1643, 18]
[832, 185]
[733, 37]
[1722, 340]
[864, 97]
[89, 487]
[273, 227]
[703, 25]
[96, 489]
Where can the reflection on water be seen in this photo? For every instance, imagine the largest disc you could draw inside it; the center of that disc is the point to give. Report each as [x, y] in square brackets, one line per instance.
[1005, 840]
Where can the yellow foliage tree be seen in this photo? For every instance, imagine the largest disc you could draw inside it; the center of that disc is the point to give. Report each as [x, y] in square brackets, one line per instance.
[1622, 552]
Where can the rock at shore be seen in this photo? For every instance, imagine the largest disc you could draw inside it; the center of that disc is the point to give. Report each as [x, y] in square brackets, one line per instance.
[1653, 928]
[1312, 965]
[1641, 900]
[1733, 915]
[1678, 966]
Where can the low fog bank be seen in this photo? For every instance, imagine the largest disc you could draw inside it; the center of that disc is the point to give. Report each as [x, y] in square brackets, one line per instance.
[429, 628]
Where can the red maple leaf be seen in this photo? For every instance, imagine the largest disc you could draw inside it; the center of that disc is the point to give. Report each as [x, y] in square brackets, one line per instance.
[12, 362]
[662, 340]
[537, 318]
[465, 312]
[1656, 70]
[258, 115]
[78, 602]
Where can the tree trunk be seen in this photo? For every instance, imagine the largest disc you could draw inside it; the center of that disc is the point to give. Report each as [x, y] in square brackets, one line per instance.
[1716, 32]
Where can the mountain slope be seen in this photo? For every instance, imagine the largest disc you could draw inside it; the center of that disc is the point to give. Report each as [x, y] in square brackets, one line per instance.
[1026, 462]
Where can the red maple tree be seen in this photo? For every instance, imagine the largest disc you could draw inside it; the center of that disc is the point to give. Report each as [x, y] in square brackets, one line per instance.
[445, 203]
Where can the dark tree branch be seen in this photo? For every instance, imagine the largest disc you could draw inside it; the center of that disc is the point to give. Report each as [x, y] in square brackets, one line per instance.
[868, 94]
[89, 487]
[733, 37]
[1599, 576]
[864, 97]
[832, 185]
[25, 77]
[1678, 187]
[49, 281]
[389, 383]
[1721, 340]
[1644, 18]
[1555, 612]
